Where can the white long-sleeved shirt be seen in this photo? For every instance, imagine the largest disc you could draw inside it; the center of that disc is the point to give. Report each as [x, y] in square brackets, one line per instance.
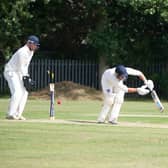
[109, 77]
[20, 61]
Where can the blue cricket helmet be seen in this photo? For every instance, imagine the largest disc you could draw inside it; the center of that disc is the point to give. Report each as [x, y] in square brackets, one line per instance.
[121, 71]
[33, 39]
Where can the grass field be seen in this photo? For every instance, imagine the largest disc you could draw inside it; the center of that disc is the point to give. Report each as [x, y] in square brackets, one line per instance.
[40, 143]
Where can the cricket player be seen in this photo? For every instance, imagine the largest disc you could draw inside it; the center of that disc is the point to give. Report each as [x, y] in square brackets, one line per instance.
[17, 76]
[114, 90]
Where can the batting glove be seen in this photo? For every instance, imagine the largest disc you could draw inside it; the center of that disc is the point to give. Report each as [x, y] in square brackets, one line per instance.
[142, 91]
[150, 85]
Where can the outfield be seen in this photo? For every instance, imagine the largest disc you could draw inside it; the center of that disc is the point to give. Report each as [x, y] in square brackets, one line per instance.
[74, 140]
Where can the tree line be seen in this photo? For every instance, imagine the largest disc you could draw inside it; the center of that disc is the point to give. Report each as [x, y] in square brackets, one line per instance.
[131, 32]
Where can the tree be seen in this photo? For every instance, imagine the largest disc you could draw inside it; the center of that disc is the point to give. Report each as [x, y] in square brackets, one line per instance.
[13, 13]
[64, 25]
[133, 28]
[115, 29]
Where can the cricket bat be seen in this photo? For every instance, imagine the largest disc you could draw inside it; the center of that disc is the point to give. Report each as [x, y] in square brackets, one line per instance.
[157, 100]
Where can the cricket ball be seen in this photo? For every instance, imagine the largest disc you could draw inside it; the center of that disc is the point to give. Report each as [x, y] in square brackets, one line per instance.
[58, 101]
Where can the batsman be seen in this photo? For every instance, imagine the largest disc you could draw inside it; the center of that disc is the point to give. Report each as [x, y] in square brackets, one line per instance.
[114, 89]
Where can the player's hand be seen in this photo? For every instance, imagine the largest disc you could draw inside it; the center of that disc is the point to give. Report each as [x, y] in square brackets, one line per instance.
[142, 91]
[150, 85]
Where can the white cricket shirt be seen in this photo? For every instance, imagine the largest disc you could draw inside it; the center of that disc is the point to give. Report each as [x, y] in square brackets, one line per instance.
[20, 61]
[109, 77]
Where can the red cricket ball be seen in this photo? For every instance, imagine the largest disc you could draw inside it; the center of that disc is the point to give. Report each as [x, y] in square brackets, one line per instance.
[58, 101]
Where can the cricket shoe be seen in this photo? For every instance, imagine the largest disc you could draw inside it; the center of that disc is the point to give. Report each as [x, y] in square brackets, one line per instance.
[21, 118]
[12, 117]
[100, 122]
[113, 122]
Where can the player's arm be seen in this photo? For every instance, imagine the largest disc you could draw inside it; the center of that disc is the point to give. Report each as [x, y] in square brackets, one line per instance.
[135, 72]
[23, 62]
[132, 90]
[140, 90]
[142, 77]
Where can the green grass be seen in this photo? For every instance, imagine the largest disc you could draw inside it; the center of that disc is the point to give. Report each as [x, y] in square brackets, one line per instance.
[52, 145]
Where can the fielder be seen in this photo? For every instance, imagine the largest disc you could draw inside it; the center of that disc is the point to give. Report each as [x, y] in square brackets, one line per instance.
[17, 76]
[114, 90]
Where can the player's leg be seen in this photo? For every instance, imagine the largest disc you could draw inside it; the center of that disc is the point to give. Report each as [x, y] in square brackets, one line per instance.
[108, 100]
[14, 86]
[118, 101]
[22, 104]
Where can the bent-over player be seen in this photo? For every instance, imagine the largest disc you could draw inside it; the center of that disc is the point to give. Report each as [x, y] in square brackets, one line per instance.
[114, 89]
[17, 76]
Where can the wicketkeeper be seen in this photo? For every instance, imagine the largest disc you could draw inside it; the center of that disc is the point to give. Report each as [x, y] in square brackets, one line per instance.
[18, 78]
[114, 90]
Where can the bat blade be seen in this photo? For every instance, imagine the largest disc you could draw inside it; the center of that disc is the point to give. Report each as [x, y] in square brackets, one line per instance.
[157, 100]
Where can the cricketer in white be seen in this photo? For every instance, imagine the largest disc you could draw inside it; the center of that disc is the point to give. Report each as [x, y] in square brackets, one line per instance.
[15, 70]
[114, 90]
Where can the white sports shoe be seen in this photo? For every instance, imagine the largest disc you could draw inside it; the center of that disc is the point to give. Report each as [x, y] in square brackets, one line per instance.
[114, 122]
[21, 118]
[12, 117]
[100, 122]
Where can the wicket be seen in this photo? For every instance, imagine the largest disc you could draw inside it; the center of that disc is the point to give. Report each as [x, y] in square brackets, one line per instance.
[52, 92]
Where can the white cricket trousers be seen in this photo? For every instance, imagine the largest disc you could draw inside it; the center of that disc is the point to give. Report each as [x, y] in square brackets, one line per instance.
[113, 100]
[18, 92]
